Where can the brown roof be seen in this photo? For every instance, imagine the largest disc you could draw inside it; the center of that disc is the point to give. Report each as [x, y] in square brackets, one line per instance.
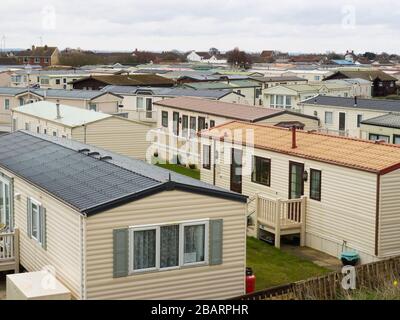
[353, 153]
[130, 80]
[369, 75]
[45, 51]
[224, 109]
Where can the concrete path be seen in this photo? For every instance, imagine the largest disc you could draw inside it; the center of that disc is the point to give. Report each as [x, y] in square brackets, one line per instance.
[319, 258]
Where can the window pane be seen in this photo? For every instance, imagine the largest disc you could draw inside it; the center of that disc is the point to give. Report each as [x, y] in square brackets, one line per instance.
[35, 221]
[206, 157]
[315, 185]
[185, 126]
[261, 171]
[164, 119]
[328, 117]
[139, 103]
[194, 238]
[144, 249]
[169, 246]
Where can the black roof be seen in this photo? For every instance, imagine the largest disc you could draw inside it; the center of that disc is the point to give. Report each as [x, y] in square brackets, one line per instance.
[390, 120]
[90, 185]
[372, 104]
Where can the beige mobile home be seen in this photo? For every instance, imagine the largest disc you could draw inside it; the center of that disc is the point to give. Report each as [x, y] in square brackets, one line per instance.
[91, 100]
[337, 193]
[117, 228]
[344, 116]
[115, 133]
[386, 128]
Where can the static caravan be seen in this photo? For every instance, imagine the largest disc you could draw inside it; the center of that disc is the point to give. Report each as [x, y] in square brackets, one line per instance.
[385, 128]
[112, 227]
[344, 116]
[179, 119]
[115, 133]
[337, 193]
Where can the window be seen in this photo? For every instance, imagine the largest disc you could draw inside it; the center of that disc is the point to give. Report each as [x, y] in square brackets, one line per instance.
[5, 202]
[164, 119]
[379, 137]
[37, 60]
[27, 126]
[315, 184]
[317, 78]
[288, 102]
[45, 131]
[185, 126]
[7, 104]
[26, 59]
[139, 103]
[207, 157]
[54, 134]
[316, 113]
[38, 129]
[149, 108]
[359, 119]
[272, 100]
[92, 106]
[175, 123]
[212, 123]
[168, 246]
[58, 81]
[192, 126]
[64, 80]
[201, 123]
[261, 173]
[328, 117]
[44, 81]
[36, 221]
[396, 139]
[280, 101]
[46, 60]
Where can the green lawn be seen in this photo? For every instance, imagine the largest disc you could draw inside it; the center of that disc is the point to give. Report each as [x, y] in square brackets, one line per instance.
[193, 173]
[273, 267]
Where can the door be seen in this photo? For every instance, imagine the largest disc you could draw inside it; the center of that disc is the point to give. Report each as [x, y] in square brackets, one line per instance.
[5, 203]
[342, 121]
[296, 182]
[236, 170]
[175, 119]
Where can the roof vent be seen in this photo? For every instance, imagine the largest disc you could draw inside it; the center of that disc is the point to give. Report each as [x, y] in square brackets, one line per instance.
[93, 154]
[105, 158]
[84, 150]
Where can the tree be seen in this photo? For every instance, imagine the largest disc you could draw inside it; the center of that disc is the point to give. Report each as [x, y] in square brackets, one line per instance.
[334, 56]
[214, 51]
[369, 55]
[239, 59]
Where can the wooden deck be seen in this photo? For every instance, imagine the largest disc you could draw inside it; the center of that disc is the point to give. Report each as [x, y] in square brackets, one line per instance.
[9, 251]
[281, 217]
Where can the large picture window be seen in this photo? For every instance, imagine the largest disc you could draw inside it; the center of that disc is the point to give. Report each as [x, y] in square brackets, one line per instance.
[261, 173]
[166, 247]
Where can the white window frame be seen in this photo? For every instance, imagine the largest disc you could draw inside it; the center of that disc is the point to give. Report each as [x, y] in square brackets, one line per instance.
[326, 112]
[3, 213]
[39, 227]
[6, 104]
[157, 227]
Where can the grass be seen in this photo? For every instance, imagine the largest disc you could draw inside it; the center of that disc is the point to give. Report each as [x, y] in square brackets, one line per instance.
[193, 173]
[273, 267]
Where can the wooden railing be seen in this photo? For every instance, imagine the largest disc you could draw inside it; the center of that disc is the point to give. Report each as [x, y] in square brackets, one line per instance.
[282, 215]
[9, 250]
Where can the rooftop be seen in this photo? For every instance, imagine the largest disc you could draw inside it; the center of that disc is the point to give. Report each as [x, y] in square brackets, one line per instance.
[278, 79]
[391, 120]
[90, 185]
[223, 109]
[370, 104]
[352, 153]
[130, 80]
[369, 75]
[70, 116]
[44, 51]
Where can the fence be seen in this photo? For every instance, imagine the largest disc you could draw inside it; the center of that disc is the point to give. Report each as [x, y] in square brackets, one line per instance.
[329, 287]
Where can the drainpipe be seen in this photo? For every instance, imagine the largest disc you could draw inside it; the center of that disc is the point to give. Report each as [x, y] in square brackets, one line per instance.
[84, 132]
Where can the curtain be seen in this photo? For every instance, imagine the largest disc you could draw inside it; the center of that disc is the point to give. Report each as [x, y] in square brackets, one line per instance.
[169, 246]
[144, 249]
[194, 238]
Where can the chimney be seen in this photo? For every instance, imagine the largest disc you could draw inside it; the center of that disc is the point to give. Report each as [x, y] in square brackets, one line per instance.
[33, 47]
[58, 110]
[355, 101]
[294, 146]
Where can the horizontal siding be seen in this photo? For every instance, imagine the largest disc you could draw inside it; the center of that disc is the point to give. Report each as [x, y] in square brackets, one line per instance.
[208, 282]
[389, 220]
[63, 237]
[121, 136]
[347, 211]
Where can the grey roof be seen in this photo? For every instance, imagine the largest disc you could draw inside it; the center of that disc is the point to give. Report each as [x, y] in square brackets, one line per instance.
[277, 79]
[55, 93]
[391, 120]
[86, 183]
[372, 104]
[168, 92]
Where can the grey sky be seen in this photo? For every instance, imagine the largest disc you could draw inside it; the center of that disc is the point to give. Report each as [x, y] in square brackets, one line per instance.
[254, 25]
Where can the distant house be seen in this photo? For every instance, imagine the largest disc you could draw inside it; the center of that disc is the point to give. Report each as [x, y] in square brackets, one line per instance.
[98, 82]
[267, 56]
[114, 133]
[44, 56]
[334, 193]
[269, 82]
[346, 115]
[197, 56]
[114, 227]
[383, 84]
[382, 128]
[350, 57]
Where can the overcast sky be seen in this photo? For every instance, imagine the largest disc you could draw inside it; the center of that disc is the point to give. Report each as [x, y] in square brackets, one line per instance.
[253, 25]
